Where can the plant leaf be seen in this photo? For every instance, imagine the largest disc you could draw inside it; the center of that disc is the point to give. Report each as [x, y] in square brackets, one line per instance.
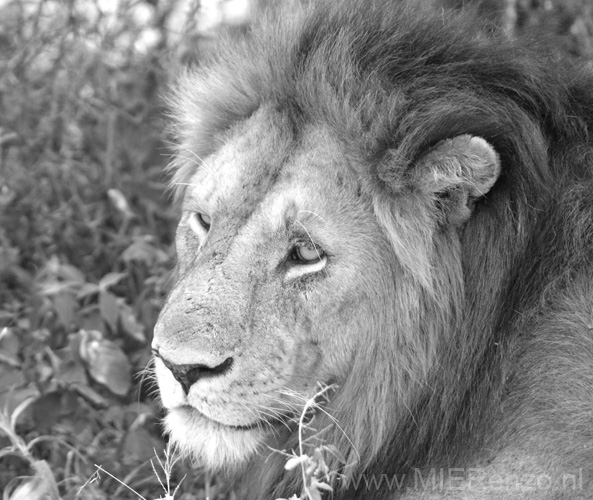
[109, 309]
[130, 325]
[110, 279]
[294, 462]
[106, 362]
[42, 486]
[65, 306]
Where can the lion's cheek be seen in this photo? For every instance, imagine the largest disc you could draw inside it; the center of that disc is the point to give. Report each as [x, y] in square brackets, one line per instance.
[328, 348]
[211, 444]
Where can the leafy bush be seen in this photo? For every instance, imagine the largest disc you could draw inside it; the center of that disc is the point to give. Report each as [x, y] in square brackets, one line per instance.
[86, 243]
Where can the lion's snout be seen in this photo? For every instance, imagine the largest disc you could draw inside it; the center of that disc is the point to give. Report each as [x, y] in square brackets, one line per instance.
[188, 374]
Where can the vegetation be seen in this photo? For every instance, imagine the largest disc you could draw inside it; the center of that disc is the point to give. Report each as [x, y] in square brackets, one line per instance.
[86, 239]
[85, 232]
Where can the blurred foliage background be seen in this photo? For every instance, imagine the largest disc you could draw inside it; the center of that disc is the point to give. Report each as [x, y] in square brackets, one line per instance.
[86, 227]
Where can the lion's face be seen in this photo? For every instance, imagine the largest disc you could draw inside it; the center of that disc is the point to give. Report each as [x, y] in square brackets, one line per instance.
[280, 264]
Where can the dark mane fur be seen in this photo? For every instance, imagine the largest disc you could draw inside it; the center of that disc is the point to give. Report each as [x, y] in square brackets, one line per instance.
[392, 80]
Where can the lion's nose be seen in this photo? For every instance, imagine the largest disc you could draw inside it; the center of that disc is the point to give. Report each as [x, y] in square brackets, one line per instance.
[188, 375]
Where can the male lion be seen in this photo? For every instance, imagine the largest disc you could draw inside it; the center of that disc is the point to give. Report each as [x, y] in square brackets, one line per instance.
[383, 201]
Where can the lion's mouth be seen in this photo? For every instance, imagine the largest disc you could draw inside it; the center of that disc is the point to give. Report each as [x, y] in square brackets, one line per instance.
[263, 423]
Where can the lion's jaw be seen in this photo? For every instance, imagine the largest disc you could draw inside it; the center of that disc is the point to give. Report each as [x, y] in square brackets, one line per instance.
[285, 326]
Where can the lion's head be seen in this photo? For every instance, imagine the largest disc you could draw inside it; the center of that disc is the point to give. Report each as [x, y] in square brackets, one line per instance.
[357, 185]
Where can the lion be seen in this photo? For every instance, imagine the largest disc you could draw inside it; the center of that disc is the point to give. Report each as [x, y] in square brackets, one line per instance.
[387, 205]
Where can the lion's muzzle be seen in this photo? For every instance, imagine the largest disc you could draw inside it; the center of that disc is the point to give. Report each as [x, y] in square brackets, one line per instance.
[188, 374]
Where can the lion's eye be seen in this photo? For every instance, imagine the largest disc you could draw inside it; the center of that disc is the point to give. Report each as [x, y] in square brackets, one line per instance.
[204, 220]
[200, 223]
[307, 253]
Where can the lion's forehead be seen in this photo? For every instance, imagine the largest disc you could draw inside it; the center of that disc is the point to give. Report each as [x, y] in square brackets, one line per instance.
[241, 171]
[262, 172]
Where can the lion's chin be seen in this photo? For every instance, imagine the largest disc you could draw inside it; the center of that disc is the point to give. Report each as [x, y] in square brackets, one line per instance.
[213, 445]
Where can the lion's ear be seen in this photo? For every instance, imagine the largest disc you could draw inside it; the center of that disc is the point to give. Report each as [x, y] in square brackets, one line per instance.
[455, 174]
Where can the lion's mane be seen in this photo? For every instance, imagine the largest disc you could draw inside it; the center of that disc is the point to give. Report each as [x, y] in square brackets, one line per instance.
[392, 80]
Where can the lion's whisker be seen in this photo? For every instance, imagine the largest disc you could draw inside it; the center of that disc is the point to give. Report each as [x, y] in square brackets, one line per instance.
[312, 213]
[200, 162]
